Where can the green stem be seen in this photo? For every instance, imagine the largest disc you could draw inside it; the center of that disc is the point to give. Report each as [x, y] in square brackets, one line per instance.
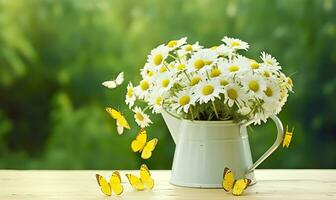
[145, 108]
[187, 76]
[208, 75]
[172, 56]
[192, 114]
[166, 64]
[214, 106]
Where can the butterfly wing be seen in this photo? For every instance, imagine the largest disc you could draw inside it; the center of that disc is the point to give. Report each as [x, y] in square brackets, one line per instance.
[288, 138]
[104, 185]
[239, 186]
[115, 182]
[118, 116]
[120, 78]
[135, 182]
[138, 144]
[228, 179]
[110, 84]
[123, 122]
[113, 113]
[149, 148]
[145, 177]
[114, 83]
[120, 129]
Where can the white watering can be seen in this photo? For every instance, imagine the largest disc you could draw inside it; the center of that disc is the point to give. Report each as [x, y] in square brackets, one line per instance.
[205, 148]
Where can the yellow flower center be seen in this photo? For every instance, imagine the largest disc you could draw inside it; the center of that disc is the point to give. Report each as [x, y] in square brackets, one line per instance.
[158, 100]
[184, 100]
[235, 43]
[232, 93]
[165, 82]
[163, 69]
[144, 85]
[157, 59]
[224, 82]
[181, 67]
[233, 68]
[269, 62]
[290, 81]
[139, 116]
[150, 73]
[269, 92]
[207, 90]
[198, 64]
[172, 43]
[195, 80]
[267, 74]
[253, 85]
[130, 92]
[215, 72]
[188, 47]
[254, 65]
[214, 47]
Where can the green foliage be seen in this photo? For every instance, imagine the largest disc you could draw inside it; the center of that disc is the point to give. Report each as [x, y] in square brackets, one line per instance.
[55, 54]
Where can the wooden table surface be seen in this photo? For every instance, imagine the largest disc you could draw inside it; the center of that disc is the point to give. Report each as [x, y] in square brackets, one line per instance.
[272, 184]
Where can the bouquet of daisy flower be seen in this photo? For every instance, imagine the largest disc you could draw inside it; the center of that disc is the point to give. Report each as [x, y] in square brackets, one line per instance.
[218, 83]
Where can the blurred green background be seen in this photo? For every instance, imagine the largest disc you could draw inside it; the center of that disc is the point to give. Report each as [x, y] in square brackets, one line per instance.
[55, 54]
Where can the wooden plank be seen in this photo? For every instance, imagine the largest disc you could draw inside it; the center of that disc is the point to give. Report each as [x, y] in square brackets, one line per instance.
[272, 184]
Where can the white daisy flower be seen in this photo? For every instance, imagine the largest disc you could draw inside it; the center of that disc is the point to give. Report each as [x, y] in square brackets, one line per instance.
[165, 81]
[179, 67]
[207, 91]
[201, 60]
[148, 71]
[188, 49]
[182, 101]
[286, 82]
[235, 66]
[270, 106]
[272, 91]
[156, 101]
[143, 89]
[141, 118]
[158, 55]
[270, 60]
[235, 43]
[282, 100]
[234, 94]
[224, 79]
[267, 71]
[173, 44]
[223, 50]
[130, 95]
[254, 84]
[254, 65]
[260, 117]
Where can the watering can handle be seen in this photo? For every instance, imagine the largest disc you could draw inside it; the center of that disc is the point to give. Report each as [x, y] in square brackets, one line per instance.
[273, 147]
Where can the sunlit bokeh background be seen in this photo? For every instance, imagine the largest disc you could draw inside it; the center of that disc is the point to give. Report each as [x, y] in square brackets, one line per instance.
[55, 54]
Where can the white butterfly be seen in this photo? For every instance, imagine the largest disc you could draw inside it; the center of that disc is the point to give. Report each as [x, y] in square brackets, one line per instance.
[114, 83]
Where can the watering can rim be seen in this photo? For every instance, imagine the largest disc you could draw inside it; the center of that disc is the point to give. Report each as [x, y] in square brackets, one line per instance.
[217, 122]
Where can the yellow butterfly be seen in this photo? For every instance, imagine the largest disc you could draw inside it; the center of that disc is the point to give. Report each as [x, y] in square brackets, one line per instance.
[141, 145]
[287, 138]
[121, 122]
[113, 186]
[237, 186]
[145, 179]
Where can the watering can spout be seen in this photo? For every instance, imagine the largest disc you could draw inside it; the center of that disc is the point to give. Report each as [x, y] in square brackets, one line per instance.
[173, 124]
